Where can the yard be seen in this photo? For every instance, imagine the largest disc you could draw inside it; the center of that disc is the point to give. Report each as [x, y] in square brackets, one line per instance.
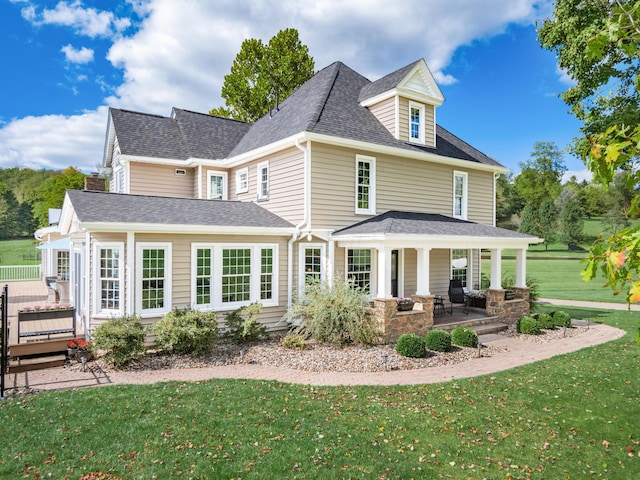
[573, 416]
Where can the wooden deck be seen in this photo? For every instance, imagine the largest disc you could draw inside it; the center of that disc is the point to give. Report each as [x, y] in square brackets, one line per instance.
[31, 293]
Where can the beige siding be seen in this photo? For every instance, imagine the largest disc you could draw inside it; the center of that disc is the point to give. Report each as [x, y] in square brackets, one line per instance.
[161, 180]
[286, 184]
[403, 119]
[439, 271]
[429, 121]
[481, 194]
[410, 271]
[385, 112]
[430, 125]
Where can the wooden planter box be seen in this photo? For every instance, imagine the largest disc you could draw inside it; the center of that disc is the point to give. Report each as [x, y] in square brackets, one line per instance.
[50, 322]
[45, 314]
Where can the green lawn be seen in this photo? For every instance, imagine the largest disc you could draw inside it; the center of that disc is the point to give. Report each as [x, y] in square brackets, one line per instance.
[19, 252]
[573, 416]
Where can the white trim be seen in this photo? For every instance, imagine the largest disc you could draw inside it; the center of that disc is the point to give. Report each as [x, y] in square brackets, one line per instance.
[217, 173]
[97, 310]
[372, 185]
[239, 187]
[168, 278]
[431, 241]
[260, 194]
[373, 279]
[130, 273]
[177, 228]
[465, 194]
[397, 117]
[421, 122]
[301, 262]
[469, 267]
[216, 275]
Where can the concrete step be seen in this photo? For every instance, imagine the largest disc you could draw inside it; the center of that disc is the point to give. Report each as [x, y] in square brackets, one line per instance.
[488, 328]
[29, 364]
[464, 322]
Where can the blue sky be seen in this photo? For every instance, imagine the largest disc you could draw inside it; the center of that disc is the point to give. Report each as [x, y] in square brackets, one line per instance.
[65, 62]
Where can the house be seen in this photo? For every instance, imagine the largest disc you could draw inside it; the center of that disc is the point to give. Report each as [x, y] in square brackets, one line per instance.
[346, 177]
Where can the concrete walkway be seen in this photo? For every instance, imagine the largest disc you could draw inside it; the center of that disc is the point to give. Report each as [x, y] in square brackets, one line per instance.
[584, 304]
[518, 351]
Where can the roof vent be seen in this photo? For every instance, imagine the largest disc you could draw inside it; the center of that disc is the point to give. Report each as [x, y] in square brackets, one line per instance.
[181, 171]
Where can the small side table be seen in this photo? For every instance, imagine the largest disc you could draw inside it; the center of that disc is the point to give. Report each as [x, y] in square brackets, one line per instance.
[438, 305]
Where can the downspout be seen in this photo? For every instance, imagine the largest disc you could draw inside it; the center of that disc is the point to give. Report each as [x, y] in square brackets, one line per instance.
[296, 234]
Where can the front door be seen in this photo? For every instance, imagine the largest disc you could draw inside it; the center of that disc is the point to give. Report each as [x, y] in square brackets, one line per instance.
[394, 273]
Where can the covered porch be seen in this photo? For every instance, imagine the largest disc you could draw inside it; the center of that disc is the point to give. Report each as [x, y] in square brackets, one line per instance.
[425, 243]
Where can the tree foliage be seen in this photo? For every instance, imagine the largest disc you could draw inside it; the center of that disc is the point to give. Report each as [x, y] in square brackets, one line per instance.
[540, 176]
[260, 73]
[597, 44]
[50, 193]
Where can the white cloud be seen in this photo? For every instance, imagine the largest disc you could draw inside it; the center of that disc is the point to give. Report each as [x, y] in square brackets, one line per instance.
[565, 78]
[85, 21]
[579, 174]
[180, 51]
[83, 55]
[54, 141]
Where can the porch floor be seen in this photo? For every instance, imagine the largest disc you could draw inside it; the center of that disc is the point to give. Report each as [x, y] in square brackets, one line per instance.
[475, 318]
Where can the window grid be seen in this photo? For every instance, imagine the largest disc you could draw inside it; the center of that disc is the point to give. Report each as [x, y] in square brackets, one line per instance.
[359, 268]
[242, 181]
[216, 187]
[236, 275]
[364, 184]
[109, 278]
[203, 276]
[458, 196]
[63, 264]
[312, 265]
[459, 265]
[415, 123]
[264, 181]
[153, 278]
[266, 274]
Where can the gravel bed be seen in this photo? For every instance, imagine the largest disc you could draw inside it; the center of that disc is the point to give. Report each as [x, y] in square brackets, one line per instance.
[324, 358]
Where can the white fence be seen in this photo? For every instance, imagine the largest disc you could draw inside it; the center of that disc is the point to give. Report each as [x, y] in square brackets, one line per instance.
[17, 273]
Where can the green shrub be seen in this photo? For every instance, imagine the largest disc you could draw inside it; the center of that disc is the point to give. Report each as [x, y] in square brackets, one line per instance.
[337, 314]
[438, 340]
[528, 326]
[411, 345]
[122, 339]
[187, 331]
[294, 341]
[546, 321]
[243, 325]
[561, 319]
[464, 337]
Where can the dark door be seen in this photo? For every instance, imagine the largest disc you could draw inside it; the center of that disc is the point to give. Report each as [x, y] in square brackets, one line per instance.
[394, 273]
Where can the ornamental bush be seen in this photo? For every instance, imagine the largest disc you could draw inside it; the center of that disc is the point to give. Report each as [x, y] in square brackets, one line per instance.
[187, 331]
[546, 321]
[464, 337]
[528, 326]
[294, 341]
[411, 345]
[243, 325]
[338, 314]
[122, 339]
[438, 340]
[561, 319]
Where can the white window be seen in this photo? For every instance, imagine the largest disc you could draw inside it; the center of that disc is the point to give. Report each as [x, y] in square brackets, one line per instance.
[360, 268]
[153, 274]
[63, 264]
[416, 122]
[242, 180]
[108, 278]
[228, 276]
[216, 185]
[365, 185]
[311, 259]
[263, 181]
[460, 266]
[460, 195]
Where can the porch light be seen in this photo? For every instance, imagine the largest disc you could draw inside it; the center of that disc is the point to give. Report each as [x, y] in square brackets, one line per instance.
[384, 359]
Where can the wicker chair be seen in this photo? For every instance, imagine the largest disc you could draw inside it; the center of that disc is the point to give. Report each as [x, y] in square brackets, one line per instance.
[457, 295]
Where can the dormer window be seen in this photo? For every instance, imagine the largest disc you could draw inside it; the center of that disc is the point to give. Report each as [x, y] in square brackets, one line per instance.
[416, 122]
[217, 186]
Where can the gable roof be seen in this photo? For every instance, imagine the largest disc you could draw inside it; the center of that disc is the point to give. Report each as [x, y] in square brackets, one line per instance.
[122, 209]
[412, 223]
[386, 83]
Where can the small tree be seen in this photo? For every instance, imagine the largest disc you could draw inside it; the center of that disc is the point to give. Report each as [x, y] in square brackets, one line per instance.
[547, 222]
[571, 223]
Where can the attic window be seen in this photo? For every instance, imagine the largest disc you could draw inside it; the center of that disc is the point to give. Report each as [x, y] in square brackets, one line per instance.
[416, 122]
[181, 171]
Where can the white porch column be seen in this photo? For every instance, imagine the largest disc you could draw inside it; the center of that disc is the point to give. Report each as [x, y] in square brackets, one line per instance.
[496, 269]
[423, 284]
[331, 261]
[129, 278]
[521, 268]
[384, 273]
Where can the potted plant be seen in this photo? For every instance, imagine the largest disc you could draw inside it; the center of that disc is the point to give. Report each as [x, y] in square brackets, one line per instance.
[72, 347]
[405, 304]
[80, 349]
[44, 312]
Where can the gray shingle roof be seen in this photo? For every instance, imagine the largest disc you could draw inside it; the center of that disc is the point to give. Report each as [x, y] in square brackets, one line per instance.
[385, 83]
[184, 135]
[92, 206]
[411, 223]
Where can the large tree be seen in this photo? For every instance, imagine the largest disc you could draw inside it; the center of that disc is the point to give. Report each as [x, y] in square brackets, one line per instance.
[262, 75]
[50, 194]
[597, 42]
[540, 176]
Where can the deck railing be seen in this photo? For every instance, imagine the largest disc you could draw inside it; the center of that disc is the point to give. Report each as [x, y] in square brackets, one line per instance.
[16, 273]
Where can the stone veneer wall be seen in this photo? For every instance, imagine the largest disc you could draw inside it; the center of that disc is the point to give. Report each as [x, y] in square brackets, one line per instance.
[509, 311]
[393, 323]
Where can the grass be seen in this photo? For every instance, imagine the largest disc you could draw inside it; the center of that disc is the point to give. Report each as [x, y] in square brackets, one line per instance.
[572, 416]
[14, 252]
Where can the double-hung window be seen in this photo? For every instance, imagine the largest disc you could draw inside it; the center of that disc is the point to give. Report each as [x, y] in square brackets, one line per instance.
[63, 264]
[460, 195]
[108, 280]
[311, 259]
[227, 276]
[360, 268]
[153, 274]
[242, 180]
[263, 181]
[460, 265]
[216, 185]
[416, 122]
[365, 184]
